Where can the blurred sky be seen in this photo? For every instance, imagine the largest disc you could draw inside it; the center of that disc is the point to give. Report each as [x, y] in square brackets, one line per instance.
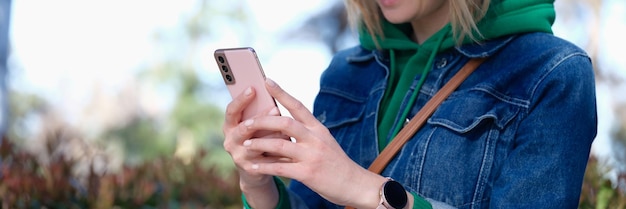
[63, 48]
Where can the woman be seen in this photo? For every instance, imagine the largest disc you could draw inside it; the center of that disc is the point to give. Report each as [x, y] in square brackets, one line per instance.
[516, 133]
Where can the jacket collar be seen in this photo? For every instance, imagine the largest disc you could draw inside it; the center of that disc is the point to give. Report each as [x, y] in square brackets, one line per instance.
[484, 49]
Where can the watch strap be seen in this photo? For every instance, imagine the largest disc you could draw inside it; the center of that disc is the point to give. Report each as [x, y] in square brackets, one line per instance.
[381, 194]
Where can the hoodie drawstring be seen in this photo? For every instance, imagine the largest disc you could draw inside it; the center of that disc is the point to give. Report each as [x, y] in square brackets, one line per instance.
[423, 76]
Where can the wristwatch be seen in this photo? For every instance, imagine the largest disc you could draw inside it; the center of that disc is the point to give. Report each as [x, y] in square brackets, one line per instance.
[392, 195]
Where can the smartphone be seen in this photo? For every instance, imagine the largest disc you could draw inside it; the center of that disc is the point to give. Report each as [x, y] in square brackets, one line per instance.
[240, 68]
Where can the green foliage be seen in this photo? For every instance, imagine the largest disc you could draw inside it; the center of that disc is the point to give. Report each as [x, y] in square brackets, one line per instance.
[23, 108]
[597, 191]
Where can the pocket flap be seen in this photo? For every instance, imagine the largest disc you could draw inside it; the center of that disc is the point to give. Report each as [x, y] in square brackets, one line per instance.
[335, 108]
[463, 113]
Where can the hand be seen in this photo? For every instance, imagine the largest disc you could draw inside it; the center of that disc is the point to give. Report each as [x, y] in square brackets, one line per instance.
[316, 159]
[259, 189]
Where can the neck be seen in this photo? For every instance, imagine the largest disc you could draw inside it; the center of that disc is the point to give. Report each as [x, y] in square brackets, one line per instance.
[427, 26]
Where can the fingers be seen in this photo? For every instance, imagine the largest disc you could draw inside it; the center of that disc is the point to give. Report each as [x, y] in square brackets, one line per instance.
[289, 170]
[283, 164]
[245, 157]
[266, 133]
[238, 137]
[294, 106]
[287, 127]
[234, 112]
[235, 108]
[254, 152]
[275, 147]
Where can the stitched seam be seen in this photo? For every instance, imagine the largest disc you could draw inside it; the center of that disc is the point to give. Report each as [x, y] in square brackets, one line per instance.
[503, 97]
[552, 68]
[423, 160]
[481, 179]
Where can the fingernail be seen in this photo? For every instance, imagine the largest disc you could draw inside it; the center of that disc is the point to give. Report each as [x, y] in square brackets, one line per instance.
[248, 91]
[255, 166]
[248, 122]
[247, 143]
[270, 82]
[274, 111]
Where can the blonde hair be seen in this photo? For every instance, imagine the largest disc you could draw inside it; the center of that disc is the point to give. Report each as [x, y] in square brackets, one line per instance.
[464, 15]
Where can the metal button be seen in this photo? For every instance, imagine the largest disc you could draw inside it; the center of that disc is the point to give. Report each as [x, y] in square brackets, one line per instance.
[442, 63]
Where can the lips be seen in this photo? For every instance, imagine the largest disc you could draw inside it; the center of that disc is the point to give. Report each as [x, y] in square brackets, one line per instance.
[387, 3]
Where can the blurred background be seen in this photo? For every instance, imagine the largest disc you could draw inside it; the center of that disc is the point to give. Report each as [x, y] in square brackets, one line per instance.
[119, 104]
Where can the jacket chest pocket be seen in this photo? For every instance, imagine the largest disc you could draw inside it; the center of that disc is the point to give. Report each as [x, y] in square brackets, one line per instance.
[343, 114]
[336, 109]
[457, 147]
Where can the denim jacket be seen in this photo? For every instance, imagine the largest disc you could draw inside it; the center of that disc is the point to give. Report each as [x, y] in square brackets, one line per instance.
[515, 134]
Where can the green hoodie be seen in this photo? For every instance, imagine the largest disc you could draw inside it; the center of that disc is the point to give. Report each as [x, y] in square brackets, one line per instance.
[409, 59]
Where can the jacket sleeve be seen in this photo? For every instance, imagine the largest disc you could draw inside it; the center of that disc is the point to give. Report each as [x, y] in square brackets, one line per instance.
[546, 166]
[311, 199]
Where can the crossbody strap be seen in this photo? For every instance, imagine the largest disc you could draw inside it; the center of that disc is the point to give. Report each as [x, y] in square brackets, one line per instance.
[418, 120]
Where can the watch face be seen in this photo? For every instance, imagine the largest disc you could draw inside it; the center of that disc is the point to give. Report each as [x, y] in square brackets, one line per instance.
[395, 194]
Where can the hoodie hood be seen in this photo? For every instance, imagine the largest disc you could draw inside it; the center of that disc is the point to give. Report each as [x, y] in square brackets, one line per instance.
[410, 59]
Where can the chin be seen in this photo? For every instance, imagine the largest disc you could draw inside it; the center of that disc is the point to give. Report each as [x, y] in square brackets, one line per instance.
[394, 18]
[399, 14]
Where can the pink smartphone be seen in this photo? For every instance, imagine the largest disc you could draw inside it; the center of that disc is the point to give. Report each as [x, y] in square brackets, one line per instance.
[240, 68]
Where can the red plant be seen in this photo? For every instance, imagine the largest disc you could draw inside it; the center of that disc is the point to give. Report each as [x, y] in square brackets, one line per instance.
[162, 183]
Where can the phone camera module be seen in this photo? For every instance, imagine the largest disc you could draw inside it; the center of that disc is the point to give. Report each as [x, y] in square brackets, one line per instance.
[221, 59]
[224, 68]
